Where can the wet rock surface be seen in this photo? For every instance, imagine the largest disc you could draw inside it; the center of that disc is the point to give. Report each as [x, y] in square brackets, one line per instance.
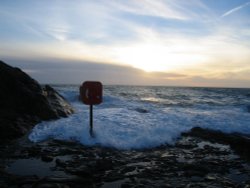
[191, 162]
[141, 110]
[238, 142]
[24, 103]
[58, 103]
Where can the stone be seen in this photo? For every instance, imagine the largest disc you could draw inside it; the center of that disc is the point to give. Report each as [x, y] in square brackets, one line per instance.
[104, 164]
[50, 185]
[210, 178]
[25, 103]
[239, 142]
[81, 171]
[47, 158]
[58, 102]
[141, 110]
[60, 163]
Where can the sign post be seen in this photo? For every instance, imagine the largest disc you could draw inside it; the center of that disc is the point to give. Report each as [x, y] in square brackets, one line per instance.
[91, 120]
[91, 94]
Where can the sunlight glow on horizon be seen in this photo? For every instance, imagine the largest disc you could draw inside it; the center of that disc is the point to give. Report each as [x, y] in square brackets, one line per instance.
[157, 58]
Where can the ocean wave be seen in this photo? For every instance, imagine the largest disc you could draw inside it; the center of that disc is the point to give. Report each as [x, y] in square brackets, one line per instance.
[125, 123]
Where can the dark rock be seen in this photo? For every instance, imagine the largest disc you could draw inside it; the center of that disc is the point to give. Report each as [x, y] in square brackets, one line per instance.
[82, 171]
[195, 170]
[128, 169]
[141, 110]
[24, 103]
[144, 168]
[126, 185]
[61, 163]
[33, 151]
[58, 102]
[210, 178]
[47, 158]
[50, 185]
[240, 143]
[104, 164]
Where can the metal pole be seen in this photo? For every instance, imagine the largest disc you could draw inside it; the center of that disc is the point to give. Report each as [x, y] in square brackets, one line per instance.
[91, 120]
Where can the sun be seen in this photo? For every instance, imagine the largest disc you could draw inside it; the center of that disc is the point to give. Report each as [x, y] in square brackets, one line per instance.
[148, 58]
[155, 58]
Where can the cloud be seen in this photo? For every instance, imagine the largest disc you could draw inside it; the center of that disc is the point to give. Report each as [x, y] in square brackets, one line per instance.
[178, 37]
[218, 82]
[75, 72]
[157, 8]
[59, 71]
[97, 21]
[235, 9]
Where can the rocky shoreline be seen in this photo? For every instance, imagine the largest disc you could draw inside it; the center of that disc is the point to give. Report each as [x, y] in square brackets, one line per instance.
[191, 162]
[199, 158]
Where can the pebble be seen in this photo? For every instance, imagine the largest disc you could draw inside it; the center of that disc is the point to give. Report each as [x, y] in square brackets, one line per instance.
[210, 178]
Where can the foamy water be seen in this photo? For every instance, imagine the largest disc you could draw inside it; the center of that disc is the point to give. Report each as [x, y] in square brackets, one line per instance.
[145, 117]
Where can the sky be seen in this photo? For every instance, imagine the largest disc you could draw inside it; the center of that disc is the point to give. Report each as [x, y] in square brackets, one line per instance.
[132, 42]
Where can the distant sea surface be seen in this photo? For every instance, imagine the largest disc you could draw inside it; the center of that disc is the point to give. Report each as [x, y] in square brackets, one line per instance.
[136, 117]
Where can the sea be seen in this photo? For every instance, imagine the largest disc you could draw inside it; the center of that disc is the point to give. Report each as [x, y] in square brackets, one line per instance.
[140, 117]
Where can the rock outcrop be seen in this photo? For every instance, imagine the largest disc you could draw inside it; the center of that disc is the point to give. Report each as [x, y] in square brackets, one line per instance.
[24, 103]
[59, 104]
[238, 142]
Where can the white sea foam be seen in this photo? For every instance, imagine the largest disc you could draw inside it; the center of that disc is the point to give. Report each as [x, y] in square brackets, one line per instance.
[118, 123]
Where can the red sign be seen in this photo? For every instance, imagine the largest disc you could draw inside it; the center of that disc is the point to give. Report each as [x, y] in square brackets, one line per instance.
[91, 92]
